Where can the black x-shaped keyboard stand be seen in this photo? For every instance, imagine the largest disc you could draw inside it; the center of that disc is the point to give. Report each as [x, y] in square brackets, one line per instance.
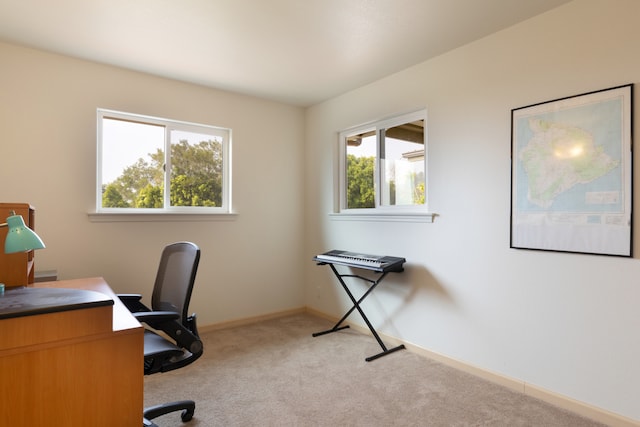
[356, 304]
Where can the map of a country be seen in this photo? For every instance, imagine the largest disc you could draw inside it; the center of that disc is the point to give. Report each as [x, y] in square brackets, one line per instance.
[558, 157]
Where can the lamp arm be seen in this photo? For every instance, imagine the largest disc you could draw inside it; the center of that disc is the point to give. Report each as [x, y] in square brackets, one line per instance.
[5, 224]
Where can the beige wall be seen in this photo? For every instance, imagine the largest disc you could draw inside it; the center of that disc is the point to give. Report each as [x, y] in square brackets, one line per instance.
[566, 323]
[48, 158]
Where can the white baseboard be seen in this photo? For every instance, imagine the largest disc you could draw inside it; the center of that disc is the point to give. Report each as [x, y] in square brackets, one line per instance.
[249, 320]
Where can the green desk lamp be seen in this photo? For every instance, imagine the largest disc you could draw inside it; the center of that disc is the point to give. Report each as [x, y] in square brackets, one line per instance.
[20, 238]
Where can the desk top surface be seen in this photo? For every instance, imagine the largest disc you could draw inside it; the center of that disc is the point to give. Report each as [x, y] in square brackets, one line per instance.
[28, 301]
[122, 318]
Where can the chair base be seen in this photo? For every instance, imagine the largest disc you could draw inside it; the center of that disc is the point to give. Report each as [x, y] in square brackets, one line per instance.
[187, 407]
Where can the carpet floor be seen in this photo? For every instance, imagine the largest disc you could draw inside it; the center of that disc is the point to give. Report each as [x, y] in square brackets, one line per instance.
[274, 373]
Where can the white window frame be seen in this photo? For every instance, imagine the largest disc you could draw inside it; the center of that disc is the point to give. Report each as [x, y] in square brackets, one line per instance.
[412, 213]
[169, 125]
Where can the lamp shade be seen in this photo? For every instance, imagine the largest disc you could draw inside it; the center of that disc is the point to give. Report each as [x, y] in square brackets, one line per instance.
[20, 238]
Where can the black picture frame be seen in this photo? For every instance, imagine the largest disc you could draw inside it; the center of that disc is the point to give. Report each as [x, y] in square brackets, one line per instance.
[571, 174]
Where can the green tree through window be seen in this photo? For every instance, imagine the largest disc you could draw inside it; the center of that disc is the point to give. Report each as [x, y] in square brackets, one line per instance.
[360, 186]
[196, 174]
[196, 179]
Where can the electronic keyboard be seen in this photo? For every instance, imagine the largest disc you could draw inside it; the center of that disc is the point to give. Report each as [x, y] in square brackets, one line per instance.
[359, 260]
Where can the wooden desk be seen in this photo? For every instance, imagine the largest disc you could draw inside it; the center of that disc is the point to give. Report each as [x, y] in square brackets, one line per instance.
[74, 367]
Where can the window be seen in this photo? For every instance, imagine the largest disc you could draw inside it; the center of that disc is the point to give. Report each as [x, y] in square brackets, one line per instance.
[383, 166]
[153, 165]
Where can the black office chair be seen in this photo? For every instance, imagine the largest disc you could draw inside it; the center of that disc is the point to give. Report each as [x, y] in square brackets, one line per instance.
[168, 314]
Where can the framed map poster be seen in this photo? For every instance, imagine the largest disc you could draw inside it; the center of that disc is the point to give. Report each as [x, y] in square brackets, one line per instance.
[571, 174]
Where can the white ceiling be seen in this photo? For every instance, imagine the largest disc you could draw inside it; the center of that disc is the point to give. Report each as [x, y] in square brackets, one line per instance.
[295, 51]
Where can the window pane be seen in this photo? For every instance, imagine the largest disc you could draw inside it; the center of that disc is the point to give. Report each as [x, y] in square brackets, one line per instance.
[403, 165]
[361, 159]
[132, 164]
[196, 169]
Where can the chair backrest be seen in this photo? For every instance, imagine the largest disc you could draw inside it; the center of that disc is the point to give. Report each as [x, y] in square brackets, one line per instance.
[175, 278]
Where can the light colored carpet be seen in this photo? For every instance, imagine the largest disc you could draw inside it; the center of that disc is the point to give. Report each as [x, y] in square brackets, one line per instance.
[274, 373]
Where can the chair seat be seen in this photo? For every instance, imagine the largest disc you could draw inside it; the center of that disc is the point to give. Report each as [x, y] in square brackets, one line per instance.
[157, 346]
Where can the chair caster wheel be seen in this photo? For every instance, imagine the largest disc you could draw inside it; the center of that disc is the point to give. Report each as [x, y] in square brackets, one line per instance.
[186, 415]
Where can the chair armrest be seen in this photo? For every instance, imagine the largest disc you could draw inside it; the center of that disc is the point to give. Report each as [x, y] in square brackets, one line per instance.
[130, 297]
[156, 319]
[132, 302]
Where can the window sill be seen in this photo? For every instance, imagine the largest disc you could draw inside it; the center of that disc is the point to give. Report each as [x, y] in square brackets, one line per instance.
[425, 217]
[159, 217]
